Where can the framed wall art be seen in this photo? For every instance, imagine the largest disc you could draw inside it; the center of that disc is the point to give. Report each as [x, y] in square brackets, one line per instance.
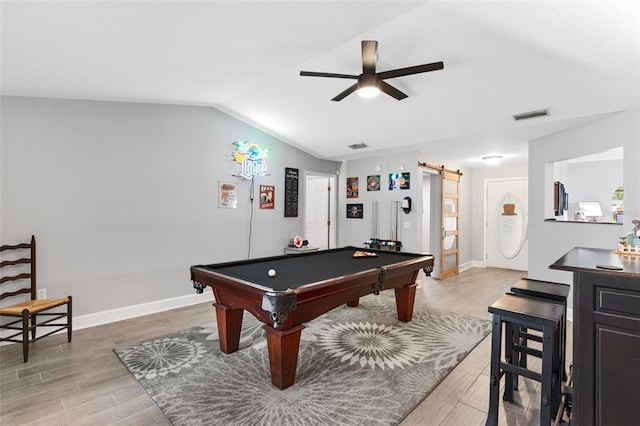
[267, 196]
[355, 211]
[352, 187]
[399, 181]
[227, 195]
[373, 183]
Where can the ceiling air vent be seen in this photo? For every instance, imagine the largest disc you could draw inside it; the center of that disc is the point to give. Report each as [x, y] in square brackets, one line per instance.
[358, 145]
[531, 114]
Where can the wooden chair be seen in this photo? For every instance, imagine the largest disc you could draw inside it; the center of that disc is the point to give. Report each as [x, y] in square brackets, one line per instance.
[33, 313]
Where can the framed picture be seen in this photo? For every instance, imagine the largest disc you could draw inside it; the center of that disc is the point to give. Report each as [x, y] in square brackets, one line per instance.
[399, 181]
[291, 177]
[352, 187]
[267, 196]
[373, 183]
[355, 211]
[227, 195]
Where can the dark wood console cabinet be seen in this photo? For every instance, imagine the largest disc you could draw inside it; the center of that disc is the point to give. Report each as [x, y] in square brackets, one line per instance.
[606, 336]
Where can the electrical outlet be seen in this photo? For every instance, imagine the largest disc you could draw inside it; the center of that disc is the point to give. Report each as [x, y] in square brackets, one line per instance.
[42, 293]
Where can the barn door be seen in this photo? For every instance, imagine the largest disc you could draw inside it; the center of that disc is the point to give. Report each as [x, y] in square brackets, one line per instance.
[450, 257]
[449, 220]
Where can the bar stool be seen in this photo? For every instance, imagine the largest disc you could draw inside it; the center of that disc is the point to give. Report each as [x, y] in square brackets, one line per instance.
[546, 290]
[520, 311]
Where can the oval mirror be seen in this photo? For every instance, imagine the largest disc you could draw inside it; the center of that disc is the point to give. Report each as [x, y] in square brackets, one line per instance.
[511, 225]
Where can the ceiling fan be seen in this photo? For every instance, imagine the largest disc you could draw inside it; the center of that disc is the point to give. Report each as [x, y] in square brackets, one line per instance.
[370, 82]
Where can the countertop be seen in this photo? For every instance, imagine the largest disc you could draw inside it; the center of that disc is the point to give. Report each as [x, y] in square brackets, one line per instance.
[584, 259]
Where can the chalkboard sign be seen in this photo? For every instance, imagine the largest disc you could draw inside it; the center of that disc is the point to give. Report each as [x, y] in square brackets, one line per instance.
[291, 178]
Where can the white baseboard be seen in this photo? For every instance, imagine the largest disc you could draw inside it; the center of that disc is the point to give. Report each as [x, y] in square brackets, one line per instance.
[133, 311]
[466, 265]
[479, 264]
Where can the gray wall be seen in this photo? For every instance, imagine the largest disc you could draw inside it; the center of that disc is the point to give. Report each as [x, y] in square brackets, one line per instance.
[548, 241]
[356, 231]
[122, 197]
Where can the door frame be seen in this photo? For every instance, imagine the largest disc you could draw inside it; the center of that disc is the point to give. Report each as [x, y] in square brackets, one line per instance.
[332, 233]
[430, 222]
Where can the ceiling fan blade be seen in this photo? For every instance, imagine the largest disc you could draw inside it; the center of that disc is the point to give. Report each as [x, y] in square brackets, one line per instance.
[392, 91]
[327, 74]
[411, 70]
[345, 93]
[369, 56]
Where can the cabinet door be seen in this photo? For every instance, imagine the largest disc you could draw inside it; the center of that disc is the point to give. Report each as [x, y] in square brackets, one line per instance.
[617, 376]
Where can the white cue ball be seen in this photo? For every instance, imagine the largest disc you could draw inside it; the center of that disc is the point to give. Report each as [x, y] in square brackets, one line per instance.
[272, 272]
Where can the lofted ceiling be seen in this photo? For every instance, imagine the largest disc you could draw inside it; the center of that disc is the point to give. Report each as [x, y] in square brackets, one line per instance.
[579, 59]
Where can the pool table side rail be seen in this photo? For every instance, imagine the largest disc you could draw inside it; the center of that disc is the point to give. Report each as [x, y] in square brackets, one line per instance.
[317, 298]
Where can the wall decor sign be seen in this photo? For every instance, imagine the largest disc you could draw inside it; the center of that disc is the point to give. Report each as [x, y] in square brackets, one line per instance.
[227, 195]
[373, 183]
[252, 159]
[352, 187]
[355, 211]
[399, 181]
[291, 178]
[267, 196]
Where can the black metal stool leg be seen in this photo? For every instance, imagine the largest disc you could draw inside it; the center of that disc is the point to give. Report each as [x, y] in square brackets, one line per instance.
[547, 379]
[509, 354]
[494, 385]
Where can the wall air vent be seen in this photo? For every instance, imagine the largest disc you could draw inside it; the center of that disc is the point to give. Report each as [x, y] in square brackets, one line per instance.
[531, 114]
[358, 146]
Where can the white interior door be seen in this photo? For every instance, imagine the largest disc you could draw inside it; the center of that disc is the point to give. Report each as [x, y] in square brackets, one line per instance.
[507, 214]
[319, 211]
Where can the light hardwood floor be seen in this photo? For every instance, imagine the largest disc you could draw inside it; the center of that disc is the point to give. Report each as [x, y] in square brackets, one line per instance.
[84, 383]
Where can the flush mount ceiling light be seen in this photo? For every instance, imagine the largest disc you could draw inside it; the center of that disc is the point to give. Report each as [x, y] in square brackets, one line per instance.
[531, 114]
[492, 160]
[358, 145]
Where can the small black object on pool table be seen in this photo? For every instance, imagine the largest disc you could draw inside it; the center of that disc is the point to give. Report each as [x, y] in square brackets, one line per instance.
[306, 286]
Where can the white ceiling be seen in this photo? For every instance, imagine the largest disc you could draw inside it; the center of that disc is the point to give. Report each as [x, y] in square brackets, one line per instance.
[579, 59]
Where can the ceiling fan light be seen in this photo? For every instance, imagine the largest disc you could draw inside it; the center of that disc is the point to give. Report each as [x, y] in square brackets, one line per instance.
[368, 92]
[368, 85]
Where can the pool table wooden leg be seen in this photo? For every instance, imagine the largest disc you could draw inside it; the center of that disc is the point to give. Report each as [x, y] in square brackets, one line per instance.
[283, 346]
[405, 297]
[229, 327]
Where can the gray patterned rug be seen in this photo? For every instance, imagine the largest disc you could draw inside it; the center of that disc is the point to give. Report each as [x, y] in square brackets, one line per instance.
[357, 366]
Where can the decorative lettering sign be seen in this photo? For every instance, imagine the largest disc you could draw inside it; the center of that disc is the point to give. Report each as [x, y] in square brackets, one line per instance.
[252, 159]
[291, 177]
[267, 196]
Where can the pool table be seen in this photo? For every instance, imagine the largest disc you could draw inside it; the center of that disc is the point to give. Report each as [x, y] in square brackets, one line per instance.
[304, 287]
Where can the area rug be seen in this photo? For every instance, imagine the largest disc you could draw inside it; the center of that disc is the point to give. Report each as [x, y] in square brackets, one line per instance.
[356, 366]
